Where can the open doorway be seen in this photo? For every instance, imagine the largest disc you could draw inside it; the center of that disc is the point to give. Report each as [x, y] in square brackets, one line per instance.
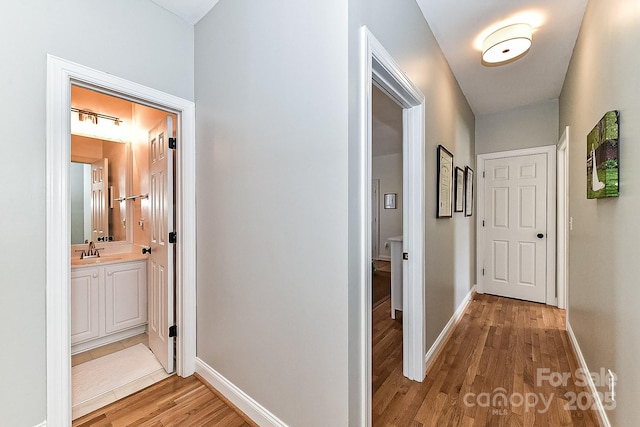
[121, 188]
[62, 77]
[381, 70]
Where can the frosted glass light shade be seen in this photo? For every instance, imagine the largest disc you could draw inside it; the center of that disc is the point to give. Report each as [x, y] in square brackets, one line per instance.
[506, 43]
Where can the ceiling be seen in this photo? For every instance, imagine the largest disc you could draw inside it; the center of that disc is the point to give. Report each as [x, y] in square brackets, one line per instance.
[459, 27]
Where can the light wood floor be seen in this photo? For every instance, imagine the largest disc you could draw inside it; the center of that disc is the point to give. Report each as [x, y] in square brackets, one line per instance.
[174, 401]
[497, 347]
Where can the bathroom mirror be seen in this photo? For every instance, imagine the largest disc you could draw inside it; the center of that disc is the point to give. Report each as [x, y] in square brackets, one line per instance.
[98, 185]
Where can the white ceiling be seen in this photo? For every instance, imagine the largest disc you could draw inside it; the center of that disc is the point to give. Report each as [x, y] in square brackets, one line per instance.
[536, 77]
[459, 25]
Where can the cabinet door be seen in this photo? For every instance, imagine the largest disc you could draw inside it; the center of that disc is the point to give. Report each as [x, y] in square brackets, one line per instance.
[85, 305]
[125, 296]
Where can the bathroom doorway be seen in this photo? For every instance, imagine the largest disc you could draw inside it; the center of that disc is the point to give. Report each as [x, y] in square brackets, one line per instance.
[63, 78]
[121, 184]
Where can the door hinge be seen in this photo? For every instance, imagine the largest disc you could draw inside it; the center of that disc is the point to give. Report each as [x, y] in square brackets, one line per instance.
[173, 143]
[405, 256]
[173, 237]
[173, 331]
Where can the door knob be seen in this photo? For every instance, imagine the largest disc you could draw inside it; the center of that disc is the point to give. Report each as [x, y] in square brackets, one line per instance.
[146, 250]
[540, 236]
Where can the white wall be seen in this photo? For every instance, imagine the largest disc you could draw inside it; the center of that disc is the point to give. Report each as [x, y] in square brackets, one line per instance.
[403, 31]
[271, 93]
[603, 259]
[388, 169]
[529, 126]
[136, 40]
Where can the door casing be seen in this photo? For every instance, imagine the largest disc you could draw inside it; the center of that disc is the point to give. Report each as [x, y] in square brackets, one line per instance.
[61, 74]
[550, 152]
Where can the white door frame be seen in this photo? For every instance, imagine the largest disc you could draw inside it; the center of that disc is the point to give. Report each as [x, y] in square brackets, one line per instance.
[380, 68]
[563, 221]
[60, 75]
[550, 152]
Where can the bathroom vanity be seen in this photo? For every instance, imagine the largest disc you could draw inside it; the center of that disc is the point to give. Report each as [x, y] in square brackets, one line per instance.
[108, 299]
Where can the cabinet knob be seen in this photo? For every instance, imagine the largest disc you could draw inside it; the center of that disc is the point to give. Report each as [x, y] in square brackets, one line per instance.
[109, 273]
[94, 275]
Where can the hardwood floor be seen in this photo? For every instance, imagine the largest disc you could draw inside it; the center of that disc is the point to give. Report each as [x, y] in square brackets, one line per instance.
[495, 350]
[174, 401]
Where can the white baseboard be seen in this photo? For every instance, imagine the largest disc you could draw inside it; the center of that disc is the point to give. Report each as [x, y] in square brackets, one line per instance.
[259, 414]
[42, 424]
[383, 258]
[442, 338]
[602, 414]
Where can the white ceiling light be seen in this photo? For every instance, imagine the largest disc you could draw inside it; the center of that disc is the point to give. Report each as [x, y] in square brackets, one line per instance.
[506, 43]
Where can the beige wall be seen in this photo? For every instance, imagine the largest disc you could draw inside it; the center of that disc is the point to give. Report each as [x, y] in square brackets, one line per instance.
[120, 37]
[528, 126]
[450, 254]
[603, 261]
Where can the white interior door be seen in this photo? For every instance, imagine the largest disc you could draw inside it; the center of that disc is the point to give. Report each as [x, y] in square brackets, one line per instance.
[99, 199]
[375, 218]
[515, 250]
[161, 275]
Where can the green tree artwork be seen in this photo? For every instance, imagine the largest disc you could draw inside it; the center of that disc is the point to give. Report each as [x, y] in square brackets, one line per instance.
[602, 157]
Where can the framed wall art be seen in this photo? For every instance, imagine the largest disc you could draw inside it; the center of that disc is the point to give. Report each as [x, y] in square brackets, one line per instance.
[445, 187]
[468, 191]
[459, 190]
[602, 157]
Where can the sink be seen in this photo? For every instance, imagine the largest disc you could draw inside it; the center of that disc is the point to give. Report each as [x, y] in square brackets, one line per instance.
[99, 260]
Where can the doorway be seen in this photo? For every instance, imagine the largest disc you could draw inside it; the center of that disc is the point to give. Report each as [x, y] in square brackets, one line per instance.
[62, 75]
[379, 68]
[517, 224]
[120, 208]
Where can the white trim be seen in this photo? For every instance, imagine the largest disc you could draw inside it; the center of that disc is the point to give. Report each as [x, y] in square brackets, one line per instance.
[258, 413]
[550, 152]
[382, 70]
[42, 424]
[563, 222]
[111, 338]
[602, 414]
[440, 342]
[384, 258]
[60, 75]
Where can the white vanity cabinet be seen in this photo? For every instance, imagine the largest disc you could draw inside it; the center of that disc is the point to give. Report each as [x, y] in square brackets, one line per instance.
[125, 293]
[108, 303]
[85, 303]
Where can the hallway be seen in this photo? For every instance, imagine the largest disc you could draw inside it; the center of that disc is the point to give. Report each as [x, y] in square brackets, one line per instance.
[490, 372]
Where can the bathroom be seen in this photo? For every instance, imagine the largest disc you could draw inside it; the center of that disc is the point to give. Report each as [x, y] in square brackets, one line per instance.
[121, 189]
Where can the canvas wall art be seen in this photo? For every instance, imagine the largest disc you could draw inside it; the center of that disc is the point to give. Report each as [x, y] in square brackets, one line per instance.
[602, 158]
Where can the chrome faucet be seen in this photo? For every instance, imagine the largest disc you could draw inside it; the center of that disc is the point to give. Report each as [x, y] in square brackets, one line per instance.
[91, 252]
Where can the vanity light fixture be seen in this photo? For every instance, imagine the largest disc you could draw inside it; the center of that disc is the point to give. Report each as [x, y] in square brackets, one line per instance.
[90, 116]
[506, 44]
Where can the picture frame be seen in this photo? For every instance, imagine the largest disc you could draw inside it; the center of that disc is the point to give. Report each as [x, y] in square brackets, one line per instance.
[459, 190]
[468, 191]
[390, 201]
[445, 181]
[603, 157]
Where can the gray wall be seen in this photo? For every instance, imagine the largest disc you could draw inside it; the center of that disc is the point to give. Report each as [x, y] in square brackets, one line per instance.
[528, 126]
[388, 169]
[120, 37]
[603, 260]
[450, 254]
[271, 93]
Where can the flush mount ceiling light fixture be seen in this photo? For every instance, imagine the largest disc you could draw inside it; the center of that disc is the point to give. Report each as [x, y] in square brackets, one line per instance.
[506, 44]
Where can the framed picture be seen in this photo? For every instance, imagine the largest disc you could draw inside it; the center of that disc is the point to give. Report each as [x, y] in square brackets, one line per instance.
[390, 201]
[445, 187]
[459, 192]
[468, 191]
[602, 158]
